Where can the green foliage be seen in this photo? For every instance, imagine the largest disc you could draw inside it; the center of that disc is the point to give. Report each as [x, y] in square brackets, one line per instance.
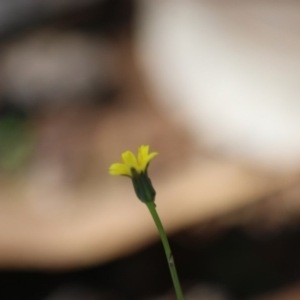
[16, 142]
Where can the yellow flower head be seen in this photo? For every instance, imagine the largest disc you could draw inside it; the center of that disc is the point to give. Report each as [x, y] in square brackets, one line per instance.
[133, 165]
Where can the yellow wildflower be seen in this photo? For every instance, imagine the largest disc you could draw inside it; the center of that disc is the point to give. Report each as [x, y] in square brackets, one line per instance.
[136, 169]
[131, 164]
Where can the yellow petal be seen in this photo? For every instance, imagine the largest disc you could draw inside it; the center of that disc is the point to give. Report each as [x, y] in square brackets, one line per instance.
[129, 160]
[144, 157]
[142, 154]
[150, 156]
[119, 169]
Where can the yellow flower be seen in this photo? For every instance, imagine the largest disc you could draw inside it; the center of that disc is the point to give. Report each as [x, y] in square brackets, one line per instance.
[136, 169]
[133, 165]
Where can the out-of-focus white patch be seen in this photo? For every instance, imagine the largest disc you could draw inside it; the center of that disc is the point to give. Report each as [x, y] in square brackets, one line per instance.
[231, 70]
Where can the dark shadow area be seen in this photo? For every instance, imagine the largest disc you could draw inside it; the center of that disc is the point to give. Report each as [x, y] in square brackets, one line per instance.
[241, 266]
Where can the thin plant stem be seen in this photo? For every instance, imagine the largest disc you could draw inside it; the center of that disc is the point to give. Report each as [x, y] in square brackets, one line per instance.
[169, 255]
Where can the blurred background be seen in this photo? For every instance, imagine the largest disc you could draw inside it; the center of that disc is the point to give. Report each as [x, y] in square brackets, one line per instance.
[212, 85]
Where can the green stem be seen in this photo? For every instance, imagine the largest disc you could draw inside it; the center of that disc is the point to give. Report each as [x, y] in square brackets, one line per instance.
[169, 255]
